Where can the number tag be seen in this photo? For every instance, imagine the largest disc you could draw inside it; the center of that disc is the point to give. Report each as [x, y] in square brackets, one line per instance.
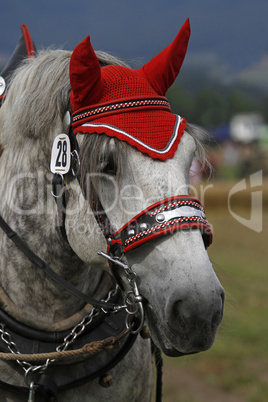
[61, 154]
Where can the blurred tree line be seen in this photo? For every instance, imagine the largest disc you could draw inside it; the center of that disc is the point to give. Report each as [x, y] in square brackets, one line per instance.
[213, 106]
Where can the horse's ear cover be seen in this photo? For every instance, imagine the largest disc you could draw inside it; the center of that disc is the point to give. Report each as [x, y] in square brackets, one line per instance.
[85, 76]
[163, 69]
[126, 103]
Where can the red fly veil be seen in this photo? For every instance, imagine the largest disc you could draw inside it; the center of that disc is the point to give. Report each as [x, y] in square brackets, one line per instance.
[126, 103]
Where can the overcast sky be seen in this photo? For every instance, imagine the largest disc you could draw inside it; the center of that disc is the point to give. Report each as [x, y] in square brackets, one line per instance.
[235, 32]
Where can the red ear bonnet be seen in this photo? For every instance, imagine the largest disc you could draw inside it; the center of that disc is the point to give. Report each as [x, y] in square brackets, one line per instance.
[85, 76]
[163, 69]
[126, 103]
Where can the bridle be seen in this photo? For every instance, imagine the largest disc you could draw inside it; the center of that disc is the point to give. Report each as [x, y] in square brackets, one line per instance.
[167, 216]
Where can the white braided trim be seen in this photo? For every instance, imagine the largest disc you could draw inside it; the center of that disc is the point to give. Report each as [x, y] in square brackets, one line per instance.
[127, 135]
[120, 105]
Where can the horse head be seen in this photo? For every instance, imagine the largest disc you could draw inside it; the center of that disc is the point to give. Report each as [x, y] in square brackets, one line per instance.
[135, 162]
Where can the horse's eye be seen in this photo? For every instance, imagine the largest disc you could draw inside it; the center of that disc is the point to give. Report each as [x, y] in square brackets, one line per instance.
[110, 167]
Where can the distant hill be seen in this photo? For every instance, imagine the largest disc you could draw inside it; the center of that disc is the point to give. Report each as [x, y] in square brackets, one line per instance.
[206, 70]
[255, 76]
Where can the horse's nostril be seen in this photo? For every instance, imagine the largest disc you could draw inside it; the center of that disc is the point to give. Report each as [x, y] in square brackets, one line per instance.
[178, 315]
[175, 309]
[187, 316]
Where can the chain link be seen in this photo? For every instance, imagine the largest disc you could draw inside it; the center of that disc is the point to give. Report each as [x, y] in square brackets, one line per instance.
[78, 329]
[28, 368]
[13, 348]
[132, 304]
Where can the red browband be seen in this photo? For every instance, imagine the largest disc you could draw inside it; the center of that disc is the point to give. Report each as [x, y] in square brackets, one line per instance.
[182, 212]
[122, 105]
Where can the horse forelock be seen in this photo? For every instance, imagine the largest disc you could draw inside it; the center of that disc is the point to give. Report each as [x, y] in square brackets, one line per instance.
[95, 154]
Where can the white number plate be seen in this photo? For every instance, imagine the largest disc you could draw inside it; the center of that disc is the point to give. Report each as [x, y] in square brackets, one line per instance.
[61, 154]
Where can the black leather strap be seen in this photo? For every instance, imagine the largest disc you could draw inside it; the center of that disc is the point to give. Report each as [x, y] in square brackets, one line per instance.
[159, 371]
[32, 340]
[48, 271]
[83, 379]
[47, 385]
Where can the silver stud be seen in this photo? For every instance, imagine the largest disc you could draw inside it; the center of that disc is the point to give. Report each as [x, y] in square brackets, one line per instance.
[143, 226]
[67, 119]
[131, 232]
[160, 218]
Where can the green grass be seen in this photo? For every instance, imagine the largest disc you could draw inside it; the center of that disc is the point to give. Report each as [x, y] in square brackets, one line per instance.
[238, 361]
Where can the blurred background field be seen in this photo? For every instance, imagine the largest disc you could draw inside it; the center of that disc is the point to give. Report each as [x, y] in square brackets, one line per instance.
[235, 369]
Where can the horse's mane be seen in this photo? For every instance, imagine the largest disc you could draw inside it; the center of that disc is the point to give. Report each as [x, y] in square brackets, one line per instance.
[38, 95]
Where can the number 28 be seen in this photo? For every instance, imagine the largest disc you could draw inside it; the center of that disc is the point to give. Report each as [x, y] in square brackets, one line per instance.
[61, 160]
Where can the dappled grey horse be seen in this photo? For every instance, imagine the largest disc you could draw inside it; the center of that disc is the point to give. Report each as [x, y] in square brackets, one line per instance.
[113, 260]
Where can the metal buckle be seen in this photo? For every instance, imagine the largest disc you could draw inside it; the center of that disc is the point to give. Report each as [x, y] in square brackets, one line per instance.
[75, 162]
[31, 396]
[54, 185]
[132, 297]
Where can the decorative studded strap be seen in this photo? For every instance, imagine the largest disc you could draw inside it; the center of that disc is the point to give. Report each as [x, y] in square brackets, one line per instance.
[182, 212]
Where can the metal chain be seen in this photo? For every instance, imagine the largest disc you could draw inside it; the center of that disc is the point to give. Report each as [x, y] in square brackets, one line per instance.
[132, 304]
[132, 298]
[78, 329]
[70, 338]
[13, 348]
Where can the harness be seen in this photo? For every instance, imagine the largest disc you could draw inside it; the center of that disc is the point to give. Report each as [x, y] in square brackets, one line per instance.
[115, 314]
